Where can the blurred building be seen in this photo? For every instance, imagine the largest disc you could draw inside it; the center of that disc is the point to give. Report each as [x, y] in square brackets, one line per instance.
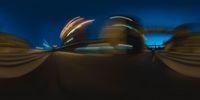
[125, 32]
[121, 34]
[74, 33]
[186, 39]
[12, 44]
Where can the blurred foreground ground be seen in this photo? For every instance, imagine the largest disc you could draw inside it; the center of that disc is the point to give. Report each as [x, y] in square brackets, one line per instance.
[73, 76]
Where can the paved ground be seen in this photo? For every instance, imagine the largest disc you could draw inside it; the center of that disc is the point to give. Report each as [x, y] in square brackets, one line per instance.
[71, 76]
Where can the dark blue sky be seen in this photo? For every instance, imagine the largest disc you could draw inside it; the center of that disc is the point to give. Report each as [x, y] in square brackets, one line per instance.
[36, 20]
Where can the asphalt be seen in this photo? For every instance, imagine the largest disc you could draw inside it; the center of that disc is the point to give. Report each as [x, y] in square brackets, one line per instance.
[73, 76]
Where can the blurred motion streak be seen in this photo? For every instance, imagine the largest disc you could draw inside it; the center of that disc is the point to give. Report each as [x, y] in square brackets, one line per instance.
[17, 58]
[74, 32]
[182, 52]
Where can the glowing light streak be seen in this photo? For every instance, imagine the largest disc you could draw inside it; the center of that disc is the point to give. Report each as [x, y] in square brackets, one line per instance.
[125, 45]
[70, 25]
[110, 28]
[39, 48]
[73, 20]
[123, 25]
[79, 26]
[127, 26]
[64, 29]
[123, 17]
[95, 48]
[71, 39]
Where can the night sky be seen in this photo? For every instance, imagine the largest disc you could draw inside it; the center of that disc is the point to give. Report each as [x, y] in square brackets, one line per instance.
[36, 20]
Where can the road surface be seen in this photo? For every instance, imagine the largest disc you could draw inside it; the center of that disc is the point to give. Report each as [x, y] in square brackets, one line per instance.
[74, 76]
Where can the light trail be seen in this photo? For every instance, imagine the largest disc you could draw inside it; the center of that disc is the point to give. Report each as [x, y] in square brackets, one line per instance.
[127, 26]
[123, 17]
[70, 25]
[64, 29]
[71, 39]
[79, 26]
